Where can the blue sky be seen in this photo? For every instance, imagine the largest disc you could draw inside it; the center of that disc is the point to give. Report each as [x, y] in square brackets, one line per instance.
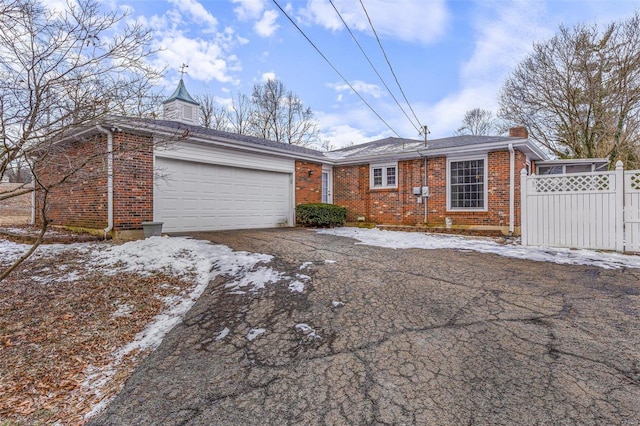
[449, 56]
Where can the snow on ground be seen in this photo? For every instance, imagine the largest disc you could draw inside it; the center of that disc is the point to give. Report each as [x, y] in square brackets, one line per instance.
[307, 330]
[204, 261]
[225, 331]
[181, 256]
[255, 332]
[10, 252]
[178, 256]
[404, 240]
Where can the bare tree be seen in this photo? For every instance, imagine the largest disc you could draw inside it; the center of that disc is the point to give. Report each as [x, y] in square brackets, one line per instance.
[298, 124]
[278, 114]
[578, 94]
[240, 115]
[18, 171]
[326, 145]
[212, 115]
[61, 71]
[478, 121]
[267, 99]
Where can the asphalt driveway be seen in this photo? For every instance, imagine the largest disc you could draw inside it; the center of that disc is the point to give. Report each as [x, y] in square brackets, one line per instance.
[382, 336]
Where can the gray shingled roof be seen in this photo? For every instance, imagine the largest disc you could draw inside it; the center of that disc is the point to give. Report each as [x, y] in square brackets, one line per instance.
[212, 134]
[391, 147]
[401, 145]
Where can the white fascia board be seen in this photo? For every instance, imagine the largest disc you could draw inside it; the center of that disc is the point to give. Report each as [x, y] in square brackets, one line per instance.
[572, 161]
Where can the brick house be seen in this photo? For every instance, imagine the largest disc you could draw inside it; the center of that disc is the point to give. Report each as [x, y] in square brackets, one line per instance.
[192, 178]
[472, 182]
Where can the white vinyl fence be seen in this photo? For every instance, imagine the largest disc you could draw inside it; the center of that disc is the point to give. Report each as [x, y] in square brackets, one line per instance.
[599, 210]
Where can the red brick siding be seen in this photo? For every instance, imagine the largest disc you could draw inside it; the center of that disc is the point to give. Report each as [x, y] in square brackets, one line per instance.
[389, 205]
[351, 190]
[132, 181]
[82, 201]
[308, 186]
[400, 206]
[497, 213]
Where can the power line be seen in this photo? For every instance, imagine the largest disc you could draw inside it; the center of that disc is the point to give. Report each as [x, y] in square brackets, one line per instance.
[334, 68]
[389, 63]
[373, 67]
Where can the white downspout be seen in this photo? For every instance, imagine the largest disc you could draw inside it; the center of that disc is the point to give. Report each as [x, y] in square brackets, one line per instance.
[512, 190]
[109, 134]
[425, 199]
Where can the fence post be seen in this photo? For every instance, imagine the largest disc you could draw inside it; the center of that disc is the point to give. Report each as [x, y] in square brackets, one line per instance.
[523, 207]
[619, 182]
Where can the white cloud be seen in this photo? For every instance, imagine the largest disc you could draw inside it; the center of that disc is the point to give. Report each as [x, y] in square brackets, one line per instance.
[249, 9]
[445, 116]
[504, 36]
[197, 13]
[57, 6]
[362, 87]
[350, 126]
[268, 76]
[408, 20]
[205, 58]
[266, 26]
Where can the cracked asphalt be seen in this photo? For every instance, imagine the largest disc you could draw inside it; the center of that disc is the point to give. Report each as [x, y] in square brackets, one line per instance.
[425, 337]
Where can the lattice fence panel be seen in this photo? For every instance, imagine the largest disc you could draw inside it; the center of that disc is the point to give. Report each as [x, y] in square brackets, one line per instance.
[573, 183]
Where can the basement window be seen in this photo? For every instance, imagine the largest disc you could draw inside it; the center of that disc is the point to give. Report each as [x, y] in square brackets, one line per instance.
[383, 176]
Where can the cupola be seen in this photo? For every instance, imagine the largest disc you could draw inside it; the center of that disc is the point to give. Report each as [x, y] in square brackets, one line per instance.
[180, 106]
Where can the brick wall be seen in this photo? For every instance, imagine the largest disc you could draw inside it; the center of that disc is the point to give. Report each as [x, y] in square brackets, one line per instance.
[82, 200]
[400, 206]
[387, 205]
[351, 190]
[308, 186]
[132, 181]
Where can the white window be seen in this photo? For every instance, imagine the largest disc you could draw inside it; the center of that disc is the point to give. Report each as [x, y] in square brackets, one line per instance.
[565, 168]
[384, 175]
[467, 183]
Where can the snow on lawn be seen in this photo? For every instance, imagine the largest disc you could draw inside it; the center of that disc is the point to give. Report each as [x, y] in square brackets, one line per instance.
[194, 259]
[404, 240]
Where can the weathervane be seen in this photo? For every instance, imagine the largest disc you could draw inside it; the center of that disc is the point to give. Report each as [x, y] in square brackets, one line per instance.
[182, 70]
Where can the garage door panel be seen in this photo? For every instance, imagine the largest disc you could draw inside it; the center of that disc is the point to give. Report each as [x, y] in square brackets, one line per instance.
[195, 196]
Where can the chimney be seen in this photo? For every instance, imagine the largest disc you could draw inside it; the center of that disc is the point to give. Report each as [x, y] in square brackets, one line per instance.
[518, 132]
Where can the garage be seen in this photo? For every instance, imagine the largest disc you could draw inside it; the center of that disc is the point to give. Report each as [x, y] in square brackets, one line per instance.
[194, 196]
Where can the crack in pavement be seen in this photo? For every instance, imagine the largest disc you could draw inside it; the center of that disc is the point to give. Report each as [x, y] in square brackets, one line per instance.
[448, 338]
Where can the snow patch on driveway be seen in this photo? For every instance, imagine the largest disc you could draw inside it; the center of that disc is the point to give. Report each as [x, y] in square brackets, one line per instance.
[419, 240]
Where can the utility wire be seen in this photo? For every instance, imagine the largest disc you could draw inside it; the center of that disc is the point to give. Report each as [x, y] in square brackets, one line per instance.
[389, 63]
[373, 67]
[334, 68]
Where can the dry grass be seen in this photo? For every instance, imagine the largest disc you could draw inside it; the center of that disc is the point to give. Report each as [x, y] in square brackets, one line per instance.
[58, 324]
[15, 210]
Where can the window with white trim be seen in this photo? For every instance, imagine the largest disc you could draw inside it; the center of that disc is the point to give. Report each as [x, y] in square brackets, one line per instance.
[384, 175]
[467, 183]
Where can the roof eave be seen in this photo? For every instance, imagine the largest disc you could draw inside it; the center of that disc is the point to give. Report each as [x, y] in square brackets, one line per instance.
[525, 145]
[222, 141]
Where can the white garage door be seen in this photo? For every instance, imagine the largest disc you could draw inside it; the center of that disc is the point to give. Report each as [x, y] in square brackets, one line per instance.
[198, 197]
